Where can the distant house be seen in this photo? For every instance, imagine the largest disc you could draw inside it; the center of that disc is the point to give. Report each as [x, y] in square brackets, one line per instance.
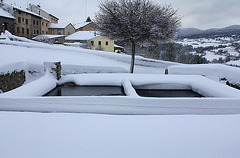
[61, 29]
[6, 21]
[46, 20]
[92, 40]
[85, 26]
[38, 10]
[27, 24]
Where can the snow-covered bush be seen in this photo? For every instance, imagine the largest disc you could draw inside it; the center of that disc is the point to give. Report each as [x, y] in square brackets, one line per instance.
[45, 39]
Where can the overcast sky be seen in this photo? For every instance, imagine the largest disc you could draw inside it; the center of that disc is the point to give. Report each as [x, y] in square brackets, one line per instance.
[202, 14]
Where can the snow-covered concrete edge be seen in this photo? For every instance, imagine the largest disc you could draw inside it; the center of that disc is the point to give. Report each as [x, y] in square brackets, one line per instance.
[26, 98]
[123, 105]
[197, 83]
[213, 71]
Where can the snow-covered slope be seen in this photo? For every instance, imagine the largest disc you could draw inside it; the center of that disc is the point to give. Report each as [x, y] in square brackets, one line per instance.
[24, 50]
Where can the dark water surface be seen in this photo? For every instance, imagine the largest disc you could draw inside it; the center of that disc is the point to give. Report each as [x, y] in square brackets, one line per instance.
[86, 91]
[166, 93]
[117, 91]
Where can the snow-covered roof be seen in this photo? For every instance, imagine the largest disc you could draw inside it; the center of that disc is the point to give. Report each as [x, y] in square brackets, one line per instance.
[5, 14]
[80, 25]
[49, 36]
[25, 10]
[59, 26]
[83, 35]
[118, 46]
[54, 16]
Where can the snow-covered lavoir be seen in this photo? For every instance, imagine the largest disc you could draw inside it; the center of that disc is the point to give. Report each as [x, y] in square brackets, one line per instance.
[92, 130]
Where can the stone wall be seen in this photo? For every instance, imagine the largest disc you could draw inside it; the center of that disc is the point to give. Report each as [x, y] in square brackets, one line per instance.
[11, 80]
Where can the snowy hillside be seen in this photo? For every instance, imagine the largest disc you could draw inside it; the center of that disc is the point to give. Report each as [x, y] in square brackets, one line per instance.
[215, 50]
[209, 33]
[38, 53]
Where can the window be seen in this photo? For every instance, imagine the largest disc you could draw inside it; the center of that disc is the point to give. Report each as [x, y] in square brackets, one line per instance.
[59, 32]
[46, 24]
[99, 43]
[52, 32]
[22, 30]
[18, 30]
[34, 32]
[42, 23]
[37, 22]
[42, 32]
[46, 32]
[19, 19]
[34, 22]
[28, 31]
[68, 33]
[37, 32]
[26, 21]
[22, 19]
[106, 43]
[92, 43]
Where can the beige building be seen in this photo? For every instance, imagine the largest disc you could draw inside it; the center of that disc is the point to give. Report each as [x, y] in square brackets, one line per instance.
[92, 40]
[53, 19]
[45, 24]
[61, 29]
[85, 26]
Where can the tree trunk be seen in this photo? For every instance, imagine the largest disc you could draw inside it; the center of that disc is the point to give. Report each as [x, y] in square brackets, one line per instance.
[133, 57]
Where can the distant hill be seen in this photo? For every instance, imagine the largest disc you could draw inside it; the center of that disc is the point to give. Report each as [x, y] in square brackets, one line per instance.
[197, 33]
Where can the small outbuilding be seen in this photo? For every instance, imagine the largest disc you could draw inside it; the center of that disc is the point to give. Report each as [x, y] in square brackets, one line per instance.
[61, 29]
[6, 21]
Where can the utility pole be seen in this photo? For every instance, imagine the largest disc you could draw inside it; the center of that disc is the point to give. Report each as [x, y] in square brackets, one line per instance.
[85, 9]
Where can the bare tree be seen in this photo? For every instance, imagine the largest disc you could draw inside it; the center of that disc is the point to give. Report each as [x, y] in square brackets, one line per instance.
[137, 21]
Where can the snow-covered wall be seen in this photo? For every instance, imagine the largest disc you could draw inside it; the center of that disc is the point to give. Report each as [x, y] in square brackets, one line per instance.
[16, 74]
[217, 72]
[11, 80]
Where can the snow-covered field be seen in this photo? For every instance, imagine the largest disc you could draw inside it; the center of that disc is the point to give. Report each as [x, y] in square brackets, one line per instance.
[221, 47]
[30, 134]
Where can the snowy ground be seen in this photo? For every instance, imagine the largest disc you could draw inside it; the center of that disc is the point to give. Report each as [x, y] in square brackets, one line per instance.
[74, 135]
[28, 135]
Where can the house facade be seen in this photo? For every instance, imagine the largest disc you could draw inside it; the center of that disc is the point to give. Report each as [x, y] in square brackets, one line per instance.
[6, 21]
[92, 40]
[101, 43]
[45, 24]
[61, 29]
[27, 24]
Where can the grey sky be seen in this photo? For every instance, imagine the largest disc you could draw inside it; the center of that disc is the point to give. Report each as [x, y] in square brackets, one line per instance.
[201, 14]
